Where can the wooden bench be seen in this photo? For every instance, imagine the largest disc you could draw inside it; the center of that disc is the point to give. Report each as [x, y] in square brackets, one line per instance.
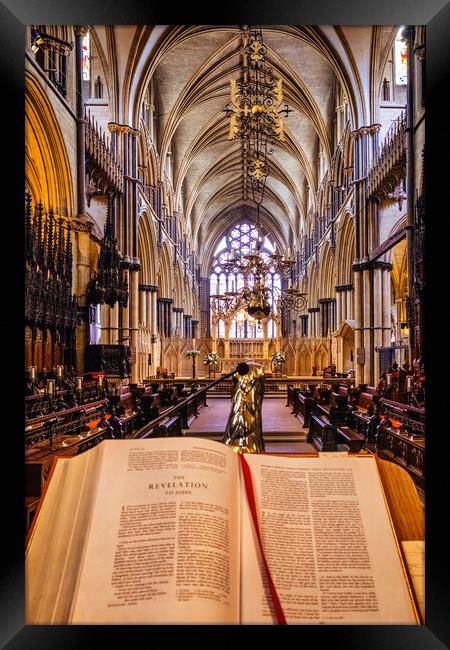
[167, 429]
[123, 404]
[302, 404]
[336, 409]
[322, 434]
[351, 438]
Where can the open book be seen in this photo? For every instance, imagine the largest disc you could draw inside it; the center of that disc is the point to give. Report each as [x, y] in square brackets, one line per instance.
[160, 531]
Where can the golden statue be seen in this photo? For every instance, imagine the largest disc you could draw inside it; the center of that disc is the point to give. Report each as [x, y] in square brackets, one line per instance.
[244, 427]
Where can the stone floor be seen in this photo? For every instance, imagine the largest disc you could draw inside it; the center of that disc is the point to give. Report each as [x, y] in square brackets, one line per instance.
[279, 425]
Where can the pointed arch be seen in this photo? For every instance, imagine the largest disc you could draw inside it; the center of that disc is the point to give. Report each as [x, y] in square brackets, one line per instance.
[48, 171]
[345, 249]
[147, 248]
[326, 272]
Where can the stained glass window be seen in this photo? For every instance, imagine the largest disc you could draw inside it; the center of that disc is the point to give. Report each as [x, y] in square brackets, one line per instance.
[401, 55]
[240, 239]
[86, 62]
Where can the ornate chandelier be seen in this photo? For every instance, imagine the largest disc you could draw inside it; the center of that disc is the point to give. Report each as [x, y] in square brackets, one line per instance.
[254, 268]
[255, 110]
[255, 119]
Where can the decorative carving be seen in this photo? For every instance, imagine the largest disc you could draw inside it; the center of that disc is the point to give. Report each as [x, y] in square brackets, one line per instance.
[108, 286]
[112, 359]
[389, 164]
[102, 165]
[49, 302]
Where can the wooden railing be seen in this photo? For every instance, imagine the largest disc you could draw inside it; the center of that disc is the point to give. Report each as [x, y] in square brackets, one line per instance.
[186, 409]
[271, 384]
[62, 423]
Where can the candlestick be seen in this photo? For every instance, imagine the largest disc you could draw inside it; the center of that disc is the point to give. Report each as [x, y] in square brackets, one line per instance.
[50, 387]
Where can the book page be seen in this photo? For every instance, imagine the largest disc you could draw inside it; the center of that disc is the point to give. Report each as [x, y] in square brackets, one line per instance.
[163, 545]
[328, 541]
[56, 543]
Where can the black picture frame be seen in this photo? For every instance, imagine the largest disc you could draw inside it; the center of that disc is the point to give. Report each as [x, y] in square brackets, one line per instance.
[14, 15]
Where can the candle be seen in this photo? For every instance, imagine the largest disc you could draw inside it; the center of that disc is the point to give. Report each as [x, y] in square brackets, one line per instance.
[50, 387]
[388, 379]
[79, 383]
[32, 373]
[100, 381]
[409, 383]
[59, 371]
[193, 344]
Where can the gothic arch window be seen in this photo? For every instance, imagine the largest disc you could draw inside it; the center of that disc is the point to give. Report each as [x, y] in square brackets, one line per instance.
[86, 57]
[241, 240]
[401, 56]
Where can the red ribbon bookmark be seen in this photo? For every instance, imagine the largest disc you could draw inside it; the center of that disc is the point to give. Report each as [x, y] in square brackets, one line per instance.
[281, 620]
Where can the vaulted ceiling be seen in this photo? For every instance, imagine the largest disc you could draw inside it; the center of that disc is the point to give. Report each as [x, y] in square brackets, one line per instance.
[192, 83]
[191, 67]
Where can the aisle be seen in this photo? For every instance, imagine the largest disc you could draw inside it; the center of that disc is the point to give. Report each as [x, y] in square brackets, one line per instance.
[278, 422]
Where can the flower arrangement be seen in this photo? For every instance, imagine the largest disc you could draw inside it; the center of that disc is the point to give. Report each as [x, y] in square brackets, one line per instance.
[161, 372]
[211, 359]
[192, 353]
[278, 358]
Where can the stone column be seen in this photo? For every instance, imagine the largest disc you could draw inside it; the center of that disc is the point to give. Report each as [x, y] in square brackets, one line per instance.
[149, 308]
[265, 340]
[377, 316]
[143, 304]
[125, 330]
[333, 315]
[359, 340]
[226, 341]
[152, 320]
[80, 31]
[344, 304]
[134, 317]
[339, 317]
[159, 316]
[104, 322]
[351, 308]
[81, 260]
[169, 317]
[386, 283]
[163, 327]
[367, 281]
[114, 324]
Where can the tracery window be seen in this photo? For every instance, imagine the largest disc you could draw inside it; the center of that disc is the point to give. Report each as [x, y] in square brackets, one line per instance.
[241, 239]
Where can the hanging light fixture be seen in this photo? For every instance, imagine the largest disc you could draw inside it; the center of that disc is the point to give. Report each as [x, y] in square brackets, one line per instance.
[255, 109]
[255, 114]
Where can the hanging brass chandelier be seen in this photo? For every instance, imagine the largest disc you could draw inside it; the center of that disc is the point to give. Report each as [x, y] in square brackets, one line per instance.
[254, 268]
[255, 110]
[255, 114]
